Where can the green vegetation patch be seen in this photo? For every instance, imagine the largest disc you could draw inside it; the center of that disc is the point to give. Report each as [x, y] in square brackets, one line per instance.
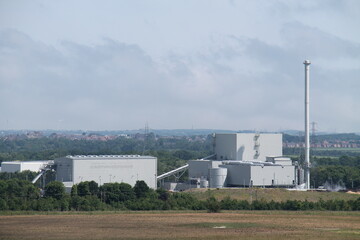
[268, 194]
[233, 225]
[349, 232]
[344, 232]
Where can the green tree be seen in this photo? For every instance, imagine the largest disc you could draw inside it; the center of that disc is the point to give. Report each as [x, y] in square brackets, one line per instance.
[55, 190]
[162, 194]
[74, 190]
[93, 188]
[117, 192]
[83, 189]
[141, 189]
[3, 205]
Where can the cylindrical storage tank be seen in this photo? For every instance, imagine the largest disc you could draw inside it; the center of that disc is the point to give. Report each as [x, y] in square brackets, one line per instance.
[204, 183]
[217, 177]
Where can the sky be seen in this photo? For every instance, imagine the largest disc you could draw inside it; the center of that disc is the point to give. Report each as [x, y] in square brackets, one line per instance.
[204, 64]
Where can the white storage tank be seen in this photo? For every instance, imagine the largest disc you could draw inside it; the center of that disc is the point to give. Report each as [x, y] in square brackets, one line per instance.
[217, 177]
[204, 183]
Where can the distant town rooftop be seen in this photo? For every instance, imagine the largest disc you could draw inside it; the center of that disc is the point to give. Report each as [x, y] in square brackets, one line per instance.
[78, 157]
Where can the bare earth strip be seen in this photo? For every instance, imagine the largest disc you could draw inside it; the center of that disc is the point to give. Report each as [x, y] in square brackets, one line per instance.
[193, 225]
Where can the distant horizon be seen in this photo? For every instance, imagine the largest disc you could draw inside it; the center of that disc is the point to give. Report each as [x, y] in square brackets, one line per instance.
[287, 131]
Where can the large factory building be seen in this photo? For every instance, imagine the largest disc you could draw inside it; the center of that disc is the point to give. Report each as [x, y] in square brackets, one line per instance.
[244, 160]
[106, 169]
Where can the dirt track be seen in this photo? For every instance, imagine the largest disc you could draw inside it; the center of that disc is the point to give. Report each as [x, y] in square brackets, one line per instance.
[255, 225]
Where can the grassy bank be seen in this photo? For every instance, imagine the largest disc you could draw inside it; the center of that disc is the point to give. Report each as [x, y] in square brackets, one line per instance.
[275, 194]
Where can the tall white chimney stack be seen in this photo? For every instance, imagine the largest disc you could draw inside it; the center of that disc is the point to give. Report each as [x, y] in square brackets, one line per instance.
[307, 124]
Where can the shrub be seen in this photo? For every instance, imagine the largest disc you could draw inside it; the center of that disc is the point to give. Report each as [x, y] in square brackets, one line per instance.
[213, 205]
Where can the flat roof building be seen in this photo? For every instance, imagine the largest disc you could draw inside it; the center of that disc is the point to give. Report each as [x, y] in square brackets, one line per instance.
[106, 169]
[19, 166]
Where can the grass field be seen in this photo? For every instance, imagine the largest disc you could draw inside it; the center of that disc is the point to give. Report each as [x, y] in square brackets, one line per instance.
[183, 225]
[268, 194]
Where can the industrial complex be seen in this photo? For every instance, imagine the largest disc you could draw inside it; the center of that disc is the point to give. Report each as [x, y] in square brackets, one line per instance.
[239, 160]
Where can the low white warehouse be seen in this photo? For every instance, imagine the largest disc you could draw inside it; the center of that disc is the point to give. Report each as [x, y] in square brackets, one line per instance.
[106, 168]
[17, 166]
[267, 174]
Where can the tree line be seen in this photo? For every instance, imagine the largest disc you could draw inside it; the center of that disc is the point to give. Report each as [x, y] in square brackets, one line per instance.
[48, 148]
[343, 171]
[16, 194]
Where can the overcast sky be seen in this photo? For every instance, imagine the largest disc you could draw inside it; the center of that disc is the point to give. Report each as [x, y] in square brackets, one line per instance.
[115, 65]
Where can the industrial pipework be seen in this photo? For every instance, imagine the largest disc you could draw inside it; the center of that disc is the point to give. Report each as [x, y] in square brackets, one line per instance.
[307, 124]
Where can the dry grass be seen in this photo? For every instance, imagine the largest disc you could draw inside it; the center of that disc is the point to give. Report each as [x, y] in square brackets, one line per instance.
[276, 194]
[188, 225]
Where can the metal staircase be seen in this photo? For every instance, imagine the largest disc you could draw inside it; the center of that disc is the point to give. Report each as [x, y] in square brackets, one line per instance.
[46, 167]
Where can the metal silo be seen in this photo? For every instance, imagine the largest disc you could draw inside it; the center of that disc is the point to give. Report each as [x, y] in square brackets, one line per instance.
[217, 177]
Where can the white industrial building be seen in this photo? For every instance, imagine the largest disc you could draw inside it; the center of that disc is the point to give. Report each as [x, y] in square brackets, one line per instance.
[106, 169]
[247, 146]
[19, 166]
[244, 160]
[239, 160]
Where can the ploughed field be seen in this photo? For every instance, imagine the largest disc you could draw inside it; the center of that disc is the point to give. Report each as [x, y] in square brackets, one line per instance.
[183, 225]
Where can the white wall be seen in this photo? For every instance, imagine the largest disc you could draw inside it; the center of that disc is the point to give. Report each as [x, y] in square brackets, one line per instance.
[243, 174]
[33, 166]
[225, 146]
[282, 175]
[11, 167]
[200, 168]
[237, 175]
[241, 146]
[245, 146]
[64, 169]
[270, 145]
[110, 169]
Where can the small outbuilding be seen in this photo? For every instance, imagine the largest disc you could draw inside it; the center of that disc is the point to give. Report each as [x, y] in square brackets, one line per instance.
[20, 166]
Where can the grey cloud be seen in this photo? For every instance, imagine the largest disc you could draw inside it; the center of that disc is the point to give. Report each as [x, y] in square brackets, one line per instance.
[237, 84]
[305, 6]
[313, 42]
[273, 90]
[77, 83]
